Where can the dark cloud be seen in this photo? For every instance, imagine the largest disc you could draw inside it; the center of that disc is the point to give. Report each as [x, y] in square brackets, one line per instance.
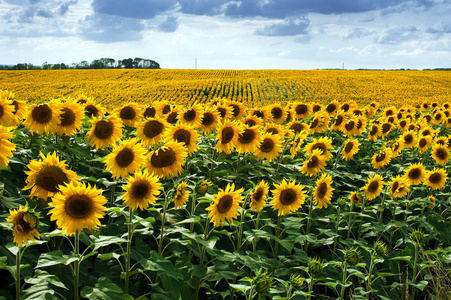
[357, 33]
[289, 27]
[110, 29]
[398, 35]
[168, 25]
[138, 9]
[202, 7]
[439, 29]
[26, 13]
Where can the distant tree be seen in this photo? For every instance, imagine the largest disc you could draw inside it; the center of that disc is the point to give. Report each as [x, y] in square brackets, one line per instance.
[127, 63]
[97, 64]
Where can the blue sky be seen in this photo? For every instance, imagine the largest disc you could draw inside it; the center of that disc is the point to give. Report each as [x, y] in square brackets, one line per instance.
[223, 34]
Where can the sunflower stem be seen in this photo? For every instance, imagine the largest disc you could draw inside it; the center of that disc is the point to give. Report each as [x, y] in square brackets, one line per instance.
[206, 235]
[349, 220]
[76, 265]
[361, 216]
[254, 241]
[278, 232]
[309, 222]
[337, 223]
[129, 250]
[18, 258]
[163, 220]
[343, 281]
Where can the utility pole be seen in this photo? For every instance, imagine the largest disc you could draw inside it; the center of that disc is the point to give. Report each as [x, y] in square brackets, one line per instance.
[195, 64]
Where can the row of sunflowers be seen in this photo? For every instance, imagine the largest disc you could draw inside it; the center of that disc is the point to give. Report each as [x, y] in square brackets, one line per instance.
[289, 200]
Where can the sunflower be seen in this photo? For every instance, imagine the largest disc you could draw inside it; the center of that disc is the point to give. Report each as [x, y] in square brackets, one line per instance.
[339, 121]
[20, 111]
[223, 110]
[397, 147]
[248, 140]
[259, 196]
[360, 125]
[261, 113]
[185, 134]
[373, 187]
[167, 160]
[296, 143]
[225, 206]
[409, 139]
[389, 111]
[181, 195]
[47, 175]
[237, 108]
[415, 174]
[274, 129]
[436, 178]
[251, 121]
[192, 116]
[71, 118]
[355, 198]
[6, 147]
[374, 132]
[141, 190]
[269, 148]
[105, 131]
[314, 164]
[332, 107]
[438, 118]
[24, 224]
[278, 114]
[149, 112]
[209, 121]
[162, 108]
[227, 136]
[82, 99]
[202, 187]
[424, 143]
[295, 127]
[287, 197]
[324, 144]
[320, 122]
[6, 112]
[173, 116]
[399, 187]
[43, 118]
[125, 158]
[440, 154]
[350, 148]
[404, 124]
[150, 132]
[77, 207]
[386, 128]
[301, 110]
[93, 110]
[382, 158]
[432, 201]
[323, 191]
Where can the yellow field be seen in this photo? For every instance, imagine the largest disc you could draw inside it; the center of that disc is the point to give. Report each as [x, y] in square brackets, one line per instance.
[253, 87]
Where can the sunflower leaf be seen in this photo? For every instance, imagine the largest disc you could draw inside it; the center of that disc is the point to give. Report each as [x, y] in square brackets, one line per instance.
[55, 258]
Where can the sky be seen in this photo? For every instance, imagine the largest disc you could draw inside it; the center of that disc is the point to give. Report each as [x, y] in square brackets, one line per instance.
[223, 34]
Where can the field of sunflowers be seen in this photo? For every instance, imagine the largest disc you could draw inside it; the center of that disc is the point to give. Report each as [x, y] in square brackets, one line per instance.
[225, 184]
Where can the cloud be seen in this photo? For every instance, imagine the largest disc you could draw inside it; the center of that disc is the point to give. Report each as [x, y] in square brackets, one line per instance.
[137, 9]
[110, 29]
[357, 33]
[439, 28]
[26, 12]
[398, 35]
[289, 27]
[202, 7]
[168, 25]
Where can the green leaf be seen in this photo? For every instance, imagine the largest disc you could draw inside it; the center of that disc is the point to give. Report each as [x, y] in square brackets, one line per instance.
[104, 289]
[55, 258]
[404, 258]
[240, 287]
[39, 292]
[41, 276]
[420, 285]
[158, 263]
[103, 241]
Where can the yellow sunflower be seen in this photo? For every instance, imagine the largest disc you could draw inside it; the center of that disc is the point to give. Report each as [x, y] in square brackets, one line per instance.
[237, 108]
[296, 143]
[324, 144]
[277, 112]
[314, 164]
[183, 133]
[440, 154]
[173, 116]
[6, 147]
[20, 111]
[251, 121]
[320, 122]
[227, 136]
[295, 127]
[93, 110]
[399, 187]
[301, 110]
[382, 158]
[149, 112]
[424, 143]
[397, 147]
[262, 113]
[339, 121]
[332, 107]
[275, 129]
[6, 112]
[259, 196]
[386, 128]
[323, 191]
[374, 186]
[202, 187]
[105, 131]
[409, 138]
[192, 116]
[167, 160]
[415, 174]
[43, 118]
[130, 114]
[373, 132]
[269, 148]
[141, 190]
[209, 121]
[181, 195]
[125, 158]
[350, 126]
[350, 148]
[436, 178]
[287, 197]
[71, 116]
[248, 140]
[225, 206]
[162, 108]
[360, 125]
[150, 132]
[355, 198]
[77, 207]
[24, 224]
[47, 175]
[224, 111]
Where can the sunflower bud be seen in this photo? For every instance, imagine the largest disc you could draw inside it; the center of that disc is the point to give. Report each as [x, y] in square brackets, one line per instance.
[352, 256]
[263, 283]
[342, 202]
[297, 282]
[315, 267]
[380, 248]
[417, 235]
[202, 187]
[432, 201]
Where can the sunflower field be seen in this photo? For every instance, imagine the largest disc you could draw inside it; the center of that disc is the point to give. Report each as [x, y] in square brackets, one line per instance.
[198, 184]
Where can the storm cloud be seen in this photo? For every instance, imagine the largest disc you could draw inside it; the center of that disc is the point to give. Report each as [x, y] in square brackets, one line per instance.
[289, 27]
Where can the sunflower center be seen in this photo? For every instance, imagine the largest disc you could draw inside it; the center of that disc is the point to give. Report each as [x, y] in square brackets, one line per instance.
[166, 109]
[438, 117]
[272, 130]
[267, 145]
[1, 111]
[320, 146]
[247, 137]
[331, 108]
[403, 123]
[345, 107]
[16, 108]
[67, 117]
[227, 135]
[349, 147]
[163, 158]
[373, 186]
[414, 174]
[250, 122]
[224, 204]
[386, 127]
[125, 157]
[296, 127]
[78, 206]
[189, 115]
[408, 139]
[380, 157]
[359, 124]
[338, 120]
[207, 119]
[140, 190]
[235, 110]
[104, 129]
[322, 190]
[90, 111]
[24, 225]
[301, 109]
[149, 112]
[152, 129]
[373, 130]
[350, 125]
[222, 111]
[50, 177]
[258, 195]
[422, 143]
[259, 114]
[316, 108]
[313, 162]
[182, 136]
[288, 197]
[276, 112]
[396, 146]
[42, 114]
[435, 178]
[441, 154]
[172, 117]
[81, 101]
[394, 187]
[314, 123]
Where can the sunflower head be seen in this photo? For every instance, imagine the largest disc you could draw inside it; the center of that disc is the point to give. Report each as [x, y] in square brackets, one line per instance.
[440, 154]
[125, 158]
[315, 267]
[415, 174]
[374, 186]
[202, 187]
[181, 195]
[185, 134]
[436, 179]
[167, 160]
[287, 197]
[225, 205]
[43, 118]
[314, 163]
[355, 198]
[150, 131]
[259, 196]
[297, 282]
[141, 190]
[130, 114]
[105, 131]
[380, 248]
[352, 256]
[263, 283]
[24, 223]
[323, 191]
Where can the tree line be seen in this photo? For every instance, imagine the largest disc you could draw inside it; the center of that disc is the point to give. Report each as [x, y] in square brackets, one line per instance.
[101, 63]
